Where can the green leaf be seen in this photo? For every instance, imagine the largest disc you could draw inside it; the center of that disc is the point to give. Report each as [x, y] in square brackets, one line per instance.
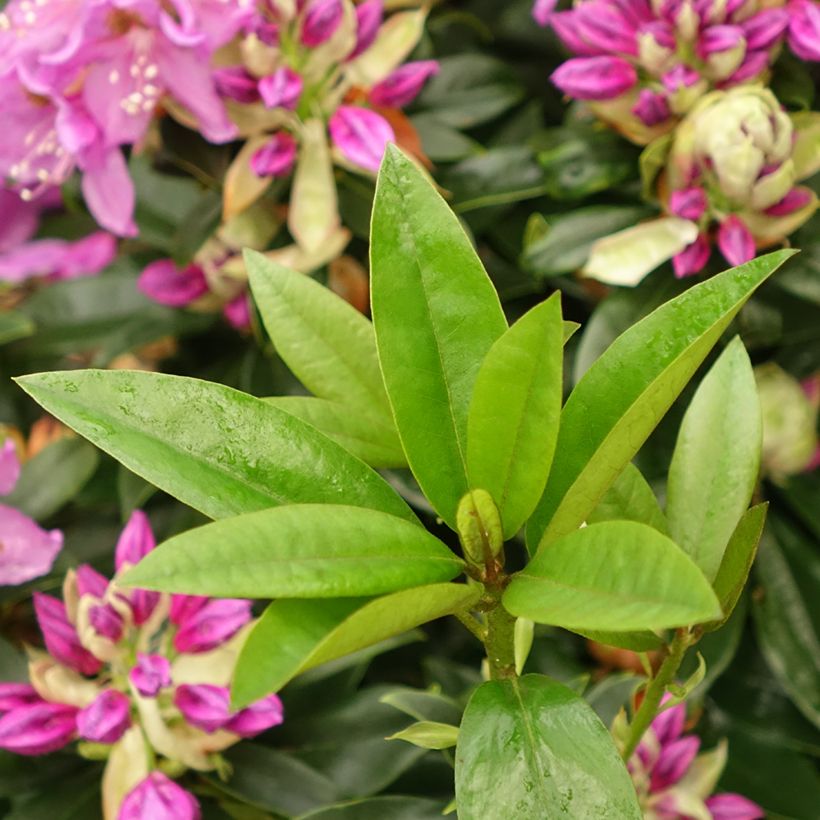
[365, 435]
[53, 477]
[428, 734]
[14, 326]
[218, 450]
[643, 641]
[530, 748]
[737, 560]
[630, 498]
[716, 460]
[392, 807]
[436, 315]
[297, 551]
[625, 393]
[324, 340]
[652, 161]
[614, 576]
[513, 420]
[294, 635]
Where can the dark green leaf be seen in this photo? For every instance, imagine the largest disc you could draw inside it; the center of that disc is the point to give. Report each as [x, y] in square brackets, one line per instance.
[392, 807]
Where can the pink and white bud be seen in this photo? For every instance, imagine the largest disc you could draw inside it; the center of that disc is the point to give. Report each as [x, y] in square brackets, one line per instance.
[320, 21]
[656, 46]
[604, 27]
[733, 807]
[693, 258]
[403, 86]
[689, 203]
[595, 78]
[151, 674]
[735, 241]
[258, 717]
[764, 29]
[360, 135]
[281, 89]
[717, 39]
[542, 11]
[90, 582]
[9, 467]
[106, 621]
[38, 728]
[165, 283]
[753, 65]
[794, 200]
[203, 705]
[184, 607]
[135, 542]
[235, 83]
[61, 638]
[157, 797]
[369, 16]
[217, 622]
[652, 107]
[276, 157]
[106, 719]
[804, 29]
[13, 695]
[680, 77]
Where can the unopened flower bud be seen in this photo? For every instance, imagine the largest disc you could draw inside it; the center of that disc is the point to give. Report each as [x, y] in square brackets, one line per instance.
[135, 542]
[656, 46]
[804, 29]
[735, 241]
[595, 78]
[61, 638]
[90, 582]
[765, 28]
[106, 621]
[733, 807]
[794, 200]
[38, 728]
[217, 621]
[14, 694]
[321, 19]
[281, 89]
[693, 258]
[203, 705]
[106, 719]
[606, 27]
[258, 717]
[404, 84]
[542, 11]
[157, 797]
[235, 83]
[165, 283]
[186, 606]
[361, 135]
[479, 527]
[151, 674]
[688, 203]
[369, 16]
[674, 761]
[276, 157]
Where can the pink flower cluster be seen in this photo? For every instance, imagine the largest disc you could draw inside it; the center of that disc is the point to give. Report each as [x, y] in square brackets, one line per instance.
[652, 59]
[674, 783]
[28, 550]
[125, 667]
[80, 79]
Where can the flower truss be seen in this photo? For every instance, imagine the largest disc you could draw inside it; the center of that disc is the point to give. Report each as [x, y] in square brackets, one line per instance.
[140, 679]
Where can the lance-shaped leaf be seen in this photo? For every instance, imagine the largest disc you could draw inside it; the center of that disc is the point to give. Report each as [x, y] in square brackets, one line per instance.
[220, 451]
[436, 315]
[298, 551]
[513, 421]
[530, 748]
[617, 576]
[295, 635]
[716, 460]
[630, 498]
[625, 393]
[324, 340]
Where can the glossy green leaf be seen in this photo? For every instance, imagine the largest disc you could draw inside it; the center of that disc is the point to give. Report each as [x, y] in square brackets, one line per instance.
[625, 393]
[513, 420]
[428, 734]
[614, 576]
[295, 635]
[530, 748]
[716, 460]
[370, 437]
[436, 315]
[737, 560]
[643, 641]
[324, 340]
[297, 551]
[630, 498]
[220, 451]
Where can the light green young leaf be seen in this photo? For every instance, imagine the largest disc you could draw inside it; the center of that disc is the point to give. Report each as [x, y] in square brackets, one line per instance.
[513, 420]
[295, 635]
[428, 734]
[530, 748]
[220, 451]
[297, 551]
[716, 460]
[625, 393]
[324, 340]
[630, 498]
[615, 576]
[436, 315]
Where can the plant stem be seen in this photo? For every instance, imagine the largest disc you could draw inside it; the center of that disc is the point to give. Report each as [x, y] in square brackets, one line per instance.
[471, 623]
[654, 691]
[500, 643]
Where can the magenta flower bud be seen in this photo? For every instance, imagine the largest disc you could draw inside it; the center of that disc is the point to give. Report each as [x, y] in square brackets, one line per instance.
[212, 625]
[13, 695]
[169, 285]
[237, 84]
[754, 63]
[322, 18]
[796, 199]
[157, 797]
[735, 241]
[604, 27]
[90, 582]
[361, 135]
[681, 76]
[668, 725]
[185, 606]
[106, 718]
[715, 39]
[636, 12]
[135, 541]
[38, 728]
[651, 108]
[106, 621]
[804, 29]
[542, 11]
[765, 28]
[595, 78]
[281, 89]
[692, 259]
[674, 761]
[276, 157]
[404, 84]
[9, 467]
[369, 16]
[238, 312]
[152, 673]
[203, 705]
[565, 25]
[256, 718]
[662, 33]
[733, 807]
[61, 638]
[688, 203]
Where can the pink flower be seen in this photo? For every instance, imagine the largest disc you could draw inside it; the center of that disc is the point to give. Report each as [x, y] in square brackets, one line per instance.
[61, 638]
[235, 83]
[796, 199]
[135, 542]
[689, 203]
[106, 621]
[238, 312]
[38, 728]
[202, 705]
[151, 674]
[13, 695]
[542, 11]
[361, 135]
[58, 258]
[595, 78]
[369, 16]
[652, 107]
[735, 241]
[90, 582]
[320, 21]
[404, 84]
[733, 807]
[693, 258]
[804, 29]
[169, 285]
[184, 607]
[159, 798]
[212, 625]
[106, 719]
[276, 158]
[281, 89]
[256, 718]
